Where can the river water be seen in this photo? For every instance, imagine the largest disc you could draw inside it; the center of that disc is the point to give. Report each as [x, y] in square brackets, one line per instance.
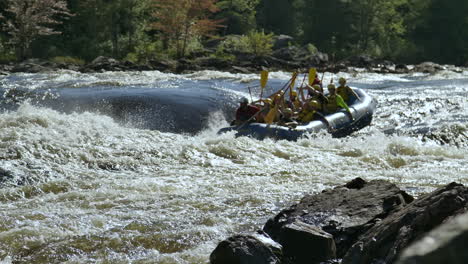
[126, 167]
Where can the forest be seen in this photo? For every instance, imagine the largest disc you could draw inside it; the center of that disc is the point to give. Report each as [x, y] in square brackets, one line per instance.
[407, 31]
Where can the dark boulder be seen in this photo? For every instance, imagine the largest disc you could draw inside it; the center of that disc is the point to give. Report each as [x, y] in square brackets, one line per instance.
[212, 63]
[282, 41]
[304, 243]
[102, 63]
[291, 53]
[362, 61]
[33, 66]
[428, 67]
[247, 249]
[237, 69]
[344, 212]
[401, 68]
[445, 244]
[163, 65]
[387, 238]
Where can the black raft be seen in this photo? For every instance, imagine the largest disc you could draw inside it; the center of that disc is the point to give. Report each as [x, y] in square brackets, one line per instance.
[340, 122]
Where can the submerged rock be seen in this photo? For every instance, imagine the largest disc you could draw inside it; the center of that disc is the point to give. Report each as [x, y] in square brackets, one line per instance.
[344, 212]
[385, 241]
[445, 244]
[428, 67]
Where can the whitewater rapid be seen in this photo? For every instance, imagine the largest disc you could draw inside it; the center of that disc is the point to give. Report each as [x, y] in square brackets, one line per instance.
[82, 184]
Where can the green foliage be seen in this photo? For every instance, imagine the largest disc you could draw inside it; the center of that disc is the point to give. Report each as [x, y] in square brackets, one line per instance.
[312, 49]
[67, 60]
[260, 43]
[222, 54]
[234, 43]
[146, 51]
[238, 15]
[405, 30]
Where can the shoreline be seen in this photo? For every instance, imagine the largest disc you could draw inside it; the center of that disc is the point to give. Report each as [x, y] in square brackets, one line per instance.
[251, 66]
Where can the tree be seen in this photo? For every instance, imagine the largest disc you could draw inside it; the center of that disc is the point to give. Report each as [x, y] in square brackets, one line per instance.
[278, 16]
[31, 19]
[444, 32]
[377, 25]
[239, 15]
[181, 20]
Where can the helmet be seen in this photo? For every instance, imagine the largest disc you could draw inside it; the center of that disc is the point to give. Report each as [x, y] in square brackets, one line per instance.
[294, 93]
[268, 101]
[331, 86]
[316, 87]
[288, 111]
[342, 80]
[244, 100]
[278, 96]
[314, 104]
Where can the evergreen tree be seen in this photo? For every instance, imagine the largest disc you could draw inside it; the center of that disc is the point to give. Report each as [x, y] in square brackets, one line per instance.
[238, 15]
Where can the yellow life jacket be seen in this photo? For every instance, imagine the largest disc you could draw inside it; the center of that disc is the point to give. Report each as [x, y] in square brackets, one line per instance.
[297, 104]
[306, 115]
[272, 115]
[331, 106]
[343, 91]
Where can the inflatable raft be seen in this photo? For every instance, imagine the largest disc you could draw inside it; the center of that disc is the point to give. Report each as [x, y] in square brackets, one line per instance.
[340, 122]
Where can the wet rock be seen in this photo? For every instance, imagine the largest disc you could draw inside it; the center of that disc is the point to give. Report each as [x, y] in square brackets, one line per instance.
[291, 53]
[237, 69]
[213, 63]
[383, 242]
[445, 244]
[163, 65]
[452, 135]
[282, 41]
[428, 67]
[401, 68]
[344, 212]
[102, 63]
[362, 61]
[247, 249]
[31, 66]
[5, 175]
[304, 243]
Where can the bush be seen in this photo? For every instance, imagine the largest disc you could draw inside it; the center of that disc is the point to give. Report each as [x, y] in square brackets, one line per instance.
[67, 60]
[234, 43]
[260, 43]
[145, 51]
[312, 49]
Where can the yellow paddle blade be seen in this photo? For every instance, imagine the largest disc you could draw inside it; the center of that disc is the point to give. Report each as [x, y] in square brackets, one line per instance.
[263, 78]
[270, 117]
[312, 73]
[293, 82]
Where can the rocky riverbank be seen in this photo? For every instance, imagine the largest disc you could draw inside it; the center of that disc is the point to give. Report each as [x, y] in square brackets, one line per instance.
[359, 222]
[285, 57]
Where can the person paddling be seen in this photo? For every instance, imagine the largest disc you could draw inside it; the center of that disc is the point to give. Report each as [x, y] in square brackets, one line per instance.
[245, 112]
[335, 102]
[345, 91]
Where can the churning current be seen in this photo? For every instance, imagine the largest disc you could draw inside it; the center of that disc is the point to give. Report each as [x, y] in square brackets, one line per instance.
[126, 167]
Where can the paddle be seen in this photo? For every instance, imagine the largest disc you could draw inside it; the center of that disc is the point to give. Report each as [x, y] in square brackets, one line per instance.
[292, 85]
[263, 81]
[312, 73]
[270, 117]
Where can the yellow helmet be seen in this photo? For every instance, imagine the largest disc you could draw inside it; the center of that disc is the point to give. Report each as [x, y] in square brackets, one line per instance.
[317, 87]
[294, 93]
[288, 111]
[268, 101]
[342, 80]
[314, 104]
[331, 86]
